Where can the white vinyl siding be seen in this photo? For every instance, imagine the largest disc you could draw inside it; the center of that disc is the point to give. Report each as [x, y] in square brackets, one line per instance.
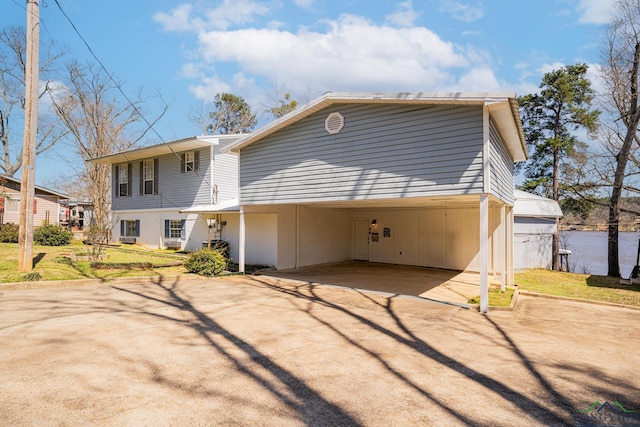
[386, 151]
[225, 172]
[171, 187]
[501, 167]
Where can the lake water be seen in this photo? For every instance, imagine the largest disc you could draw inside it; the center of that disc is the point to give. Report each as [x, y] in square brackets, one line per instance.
[589, 251]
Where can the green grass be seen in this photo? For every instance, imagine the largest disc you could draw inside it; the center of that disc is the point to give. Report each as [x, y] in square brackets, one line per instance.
[497, 298]
[583, 286]
[53, 263]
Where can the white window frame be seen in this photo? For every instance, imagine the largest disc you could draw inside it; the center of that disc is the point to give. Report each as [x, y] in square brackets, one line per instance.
[189, 161]
[148, 176]
[12, 202]
[175, 228]
[123, 179]
[130, 229]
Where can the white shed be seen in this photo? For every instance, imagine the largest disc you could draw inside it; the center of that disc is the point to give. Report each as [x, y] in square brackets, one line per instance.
[535, 222]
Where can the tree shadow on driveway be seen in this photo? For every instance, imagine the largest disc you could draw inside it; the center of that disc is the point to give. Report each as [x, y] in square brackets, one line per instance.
[311, 406]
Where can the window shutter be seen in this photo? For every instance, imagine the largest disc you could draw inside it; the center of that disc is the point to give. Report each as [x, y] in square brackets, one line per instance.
[183, 163]
[183, 232]
[141, 178]
[196, 160]
[121, 227]
[1, 204]
[155, 176]
[137, 228]
[117, 181]
[129, 179]
[167, 233]
[35, 206]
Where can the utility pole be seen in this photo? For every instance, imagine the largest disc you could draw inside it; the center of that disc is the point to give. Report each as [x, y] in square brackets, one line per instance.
[27, 187]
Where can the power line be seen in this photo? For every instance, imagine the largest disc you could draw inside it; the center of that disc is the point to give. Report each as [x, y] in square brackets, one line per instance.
[119, 88]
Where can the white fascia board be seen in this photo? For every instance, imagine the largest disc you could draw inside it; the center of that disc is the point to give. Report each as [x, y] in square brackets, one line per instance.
[172, 147]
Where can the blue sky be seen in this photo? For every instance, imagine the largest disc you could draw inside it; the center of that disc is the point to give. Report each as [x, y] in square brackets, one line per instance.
[191, 50]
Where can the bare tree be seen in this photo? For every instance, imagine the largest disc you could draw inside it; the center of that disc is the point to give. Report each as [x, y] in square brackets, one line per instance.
[620, 74]
[101, 123]
[12, 92]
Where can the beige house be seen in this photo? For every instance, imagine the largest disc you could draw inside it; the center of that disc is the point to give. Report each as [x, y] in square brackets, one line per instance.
[46, 204]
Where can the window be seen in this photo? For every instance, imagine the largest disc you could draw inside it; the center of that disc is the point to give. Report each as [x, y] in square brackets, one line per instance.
[123, 180]
[190, 161]
[148, 176]
[12, 204]
[130, 228]
[174, 228]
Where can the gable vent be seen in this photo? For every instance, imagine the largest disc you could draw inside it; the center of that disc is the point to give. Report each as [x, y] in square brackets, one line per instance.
[334, 123]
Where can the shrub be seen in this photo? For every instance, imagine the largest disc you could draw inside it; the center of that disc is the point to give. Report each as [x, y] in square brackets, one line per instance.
[52, 235]
[9, 233]
[206, 262]
[34, 276]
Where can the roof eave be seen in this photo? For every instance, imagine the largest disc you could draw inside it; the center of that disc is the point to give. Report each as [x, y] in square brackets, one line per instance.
[172, 147]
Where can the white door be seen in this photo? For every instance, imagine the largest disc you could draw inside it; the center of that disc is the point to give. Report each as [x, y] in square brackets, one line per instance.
[361, 239]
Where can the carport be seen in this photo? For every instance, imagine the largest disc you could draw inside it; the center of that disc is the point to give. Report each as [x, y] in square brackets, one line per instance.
[423, 247]
[414, 179]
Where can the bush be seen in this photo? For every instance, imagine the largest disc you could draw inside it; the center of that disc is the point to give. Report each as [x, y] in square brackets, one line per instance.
[206, 262]
[9, 233]
[34, 276]
[52, 235]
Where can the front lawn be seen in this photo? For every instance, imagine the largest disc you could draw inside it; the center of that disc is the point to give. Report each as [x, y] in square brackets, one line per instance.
[71, 262]
[583, 286]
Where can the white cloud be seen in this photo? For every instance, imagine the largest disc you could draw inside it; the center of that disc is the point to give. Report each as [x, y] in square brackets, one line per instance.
[226, 14]
[479, 80]
[404, 16]
[462, 11]
[176, 20]
[594, 11]
[547, 68]
[352, 54]
[208, 87]
[236, 12]
[305, 4]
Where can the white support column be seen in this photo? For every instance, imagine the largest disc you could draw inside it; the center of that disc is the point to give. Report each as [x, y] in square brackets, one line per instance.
[484, 253]
[509, 245]
[241, 241]
[504, 232]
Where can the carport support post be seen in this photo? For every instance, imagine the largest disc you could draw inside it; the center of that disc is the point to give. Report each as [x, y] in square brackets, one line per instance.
[504, 248]
[241, 242]
[484, 253]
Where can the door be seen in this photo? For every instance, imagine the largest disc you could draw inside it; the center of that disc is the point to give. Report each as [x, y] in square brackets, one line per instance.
[361, 239]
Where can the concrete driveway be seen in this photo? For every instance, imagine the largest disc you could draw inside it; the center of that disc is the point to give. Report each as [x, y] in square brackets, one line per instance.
[435, 284]
[268, 351]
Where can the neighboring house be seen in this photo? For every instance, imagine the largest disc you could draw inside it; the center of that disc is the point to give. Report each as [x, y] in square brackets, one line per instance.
[77, 214]
[46, 203]
[176, 194]
[535, 223]
[406, 178]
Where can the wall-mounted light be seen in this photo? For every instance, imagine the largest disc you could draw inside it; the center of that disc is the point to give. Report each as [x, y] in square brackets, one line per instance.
[374, 223]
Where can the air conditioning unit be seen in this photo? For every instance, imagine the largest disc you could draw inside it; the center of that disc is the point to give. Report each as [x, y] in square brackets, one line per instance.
[128, 240]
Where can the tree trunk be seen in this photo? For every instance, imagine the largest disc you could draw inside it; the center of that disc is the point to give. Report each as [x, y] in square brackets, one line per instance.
[623, 156]
[555, 246]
